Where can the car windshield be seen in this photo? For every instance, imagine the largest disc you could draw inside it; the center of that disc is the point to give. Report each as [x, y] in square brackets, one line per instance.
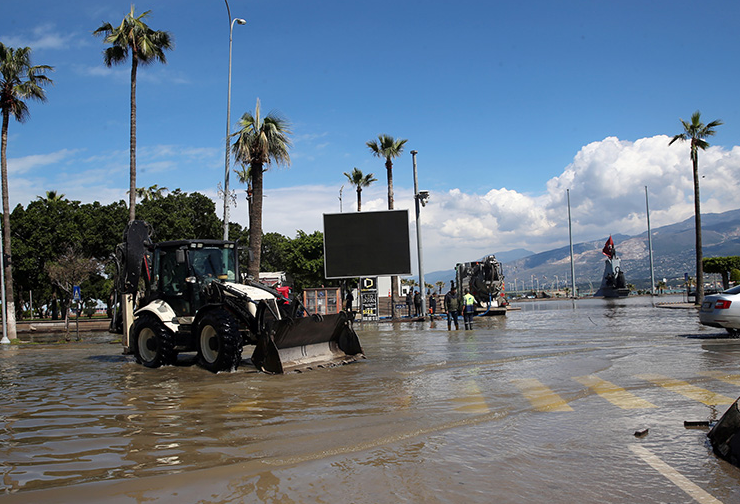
[734, 290]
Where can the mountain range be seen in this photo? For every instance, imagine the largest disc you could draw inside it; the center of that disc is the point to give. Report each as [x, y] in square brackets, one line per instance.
[673, 257]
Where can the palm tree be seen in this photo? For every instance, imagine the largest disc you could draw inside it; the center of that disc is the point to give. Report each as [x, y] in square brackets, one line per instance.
[357, 179]
[259, 142]
[388, 148]
[150, 193]
[19, 80]
[696, 132]
[146, 46]
[51, 196]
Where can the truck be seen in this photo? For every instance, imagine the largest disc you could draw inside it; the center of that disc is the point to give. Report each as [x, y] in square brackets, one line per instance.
[484, 279]
[189, 296]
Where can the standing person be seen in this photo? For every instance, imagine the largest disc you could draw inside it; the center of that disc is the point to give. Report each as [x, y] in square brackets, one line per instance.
[433, 303]
[409, 300]
[452, 305]
[349, 300]
[468, 309]
[417, 303]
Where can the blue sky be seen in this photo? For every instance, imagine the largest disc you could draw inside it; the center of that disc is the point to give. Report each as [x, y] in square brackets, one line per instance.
[508, 104]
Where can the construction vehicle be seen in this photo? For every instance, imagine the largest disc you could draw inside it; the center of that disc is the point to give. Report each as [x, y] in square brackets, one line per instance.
[188, 299]
[484, 279]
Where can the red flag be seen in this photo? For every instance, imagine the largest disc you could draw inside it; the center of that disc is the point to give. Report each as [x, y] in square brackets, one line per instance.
[608, 249]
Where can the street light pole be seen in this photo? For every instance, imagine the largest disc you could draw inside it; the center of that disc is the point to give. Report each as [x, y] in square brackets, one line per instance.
[228, 124]
[419, 199]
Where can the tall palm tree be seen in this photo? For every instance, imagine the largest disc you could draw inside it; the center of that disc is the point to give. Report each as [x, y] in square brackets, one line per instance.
[696, 132]
[260, 141]
[19, 80]
[357, 179]
[388, 148]
[146, 46]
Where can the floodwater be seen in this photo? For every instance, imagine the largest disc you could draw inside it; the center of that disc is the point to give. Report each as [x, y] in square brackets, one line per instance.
[541, 405]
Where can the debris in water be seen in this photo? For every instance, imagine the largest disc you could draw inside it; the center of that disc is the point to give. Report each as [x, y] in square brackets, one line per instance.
[641, 433]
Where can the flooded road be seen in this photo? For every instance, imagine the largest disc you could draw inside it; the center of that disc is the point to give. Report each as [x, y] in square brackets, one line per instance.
[539, 406]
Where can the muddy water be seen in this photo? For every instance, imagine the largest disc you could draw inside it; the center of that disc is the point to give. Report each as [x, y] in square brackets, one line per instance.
[503, 413]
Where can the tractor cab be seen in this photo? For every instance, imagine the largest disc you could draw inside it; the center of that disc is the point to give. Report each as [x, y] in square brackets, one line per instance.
[181, 269]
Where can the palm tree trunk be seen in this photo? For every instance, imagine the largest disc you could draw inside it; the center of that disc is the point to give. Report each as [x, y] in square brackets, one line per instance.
[10, 303]
[359, 199]
[699, 298]
[255, 223]
[132, 148]
[394, 278]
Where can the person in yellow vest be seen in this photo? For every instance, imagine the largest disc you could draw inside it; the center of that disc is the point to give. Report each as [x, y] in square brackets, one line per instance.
[468, 309]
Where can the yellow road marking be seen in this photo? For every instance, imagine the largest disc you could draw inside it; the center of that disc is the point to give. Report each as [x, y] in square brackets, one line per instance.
[687, 390]
[541, 397]
[471, 400]
[732, 379]
[612, 393]
[678, 479]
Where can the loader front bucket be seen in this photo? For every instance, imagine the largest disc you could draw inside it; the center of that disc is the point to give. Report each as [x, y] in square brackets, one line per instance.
[307, 342]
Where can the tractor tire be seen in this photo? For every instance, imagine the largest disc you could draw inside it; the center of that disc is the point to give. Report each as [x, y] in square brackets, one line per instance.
[153, 343]
[219, 342]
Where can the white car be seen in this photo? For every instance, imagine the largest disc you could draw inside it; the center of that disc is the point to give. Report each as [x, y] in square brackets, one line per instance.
[722, 310]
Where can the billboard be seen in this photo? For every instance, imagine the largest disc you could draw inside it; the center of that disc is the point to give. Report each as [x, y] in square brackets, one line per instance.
[366, 244]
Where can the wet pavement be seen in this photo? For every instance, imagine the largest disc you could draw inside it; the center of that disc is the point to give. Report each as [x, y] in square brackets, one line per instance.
[539, 406]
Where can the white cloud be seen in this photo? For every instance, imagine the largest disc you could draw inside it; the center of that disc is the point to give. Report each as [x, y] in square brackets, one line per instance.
[46, 36]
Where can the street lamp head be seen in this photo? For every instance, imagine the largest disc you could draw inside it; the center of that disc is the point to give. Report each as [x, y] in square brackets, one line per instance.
[414, 152]
[241, 21]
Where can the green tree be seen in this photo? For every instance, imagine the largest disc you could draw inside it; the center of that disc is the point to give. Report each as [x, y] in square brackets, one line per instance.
[305, 261]
[42, 231]
[146, 46]
[388, 148]
[181, 215]
[735, 275]
[696, 131]
[723, 266]
[274, 251]
[360, 181]
[19, 81]
[260, 141]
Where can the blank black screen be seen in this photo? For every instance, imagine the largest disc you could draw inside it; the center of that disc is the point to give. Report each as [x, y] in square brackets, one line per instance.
[366, 244]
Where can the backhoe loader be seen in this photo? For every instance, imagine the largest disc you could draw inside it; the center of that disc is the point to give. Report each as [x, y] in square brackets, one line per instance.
[188, 298]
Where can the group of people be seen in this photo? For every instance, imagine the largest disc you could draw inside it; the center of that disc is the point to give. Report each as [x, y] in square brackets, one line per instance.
[453, 308]
[452, 304]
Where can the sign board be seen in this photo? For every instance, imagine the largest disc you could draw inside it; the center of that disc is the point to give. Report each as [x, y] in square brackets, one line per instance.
[369, 298]
[76, 293]
[367, 244]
